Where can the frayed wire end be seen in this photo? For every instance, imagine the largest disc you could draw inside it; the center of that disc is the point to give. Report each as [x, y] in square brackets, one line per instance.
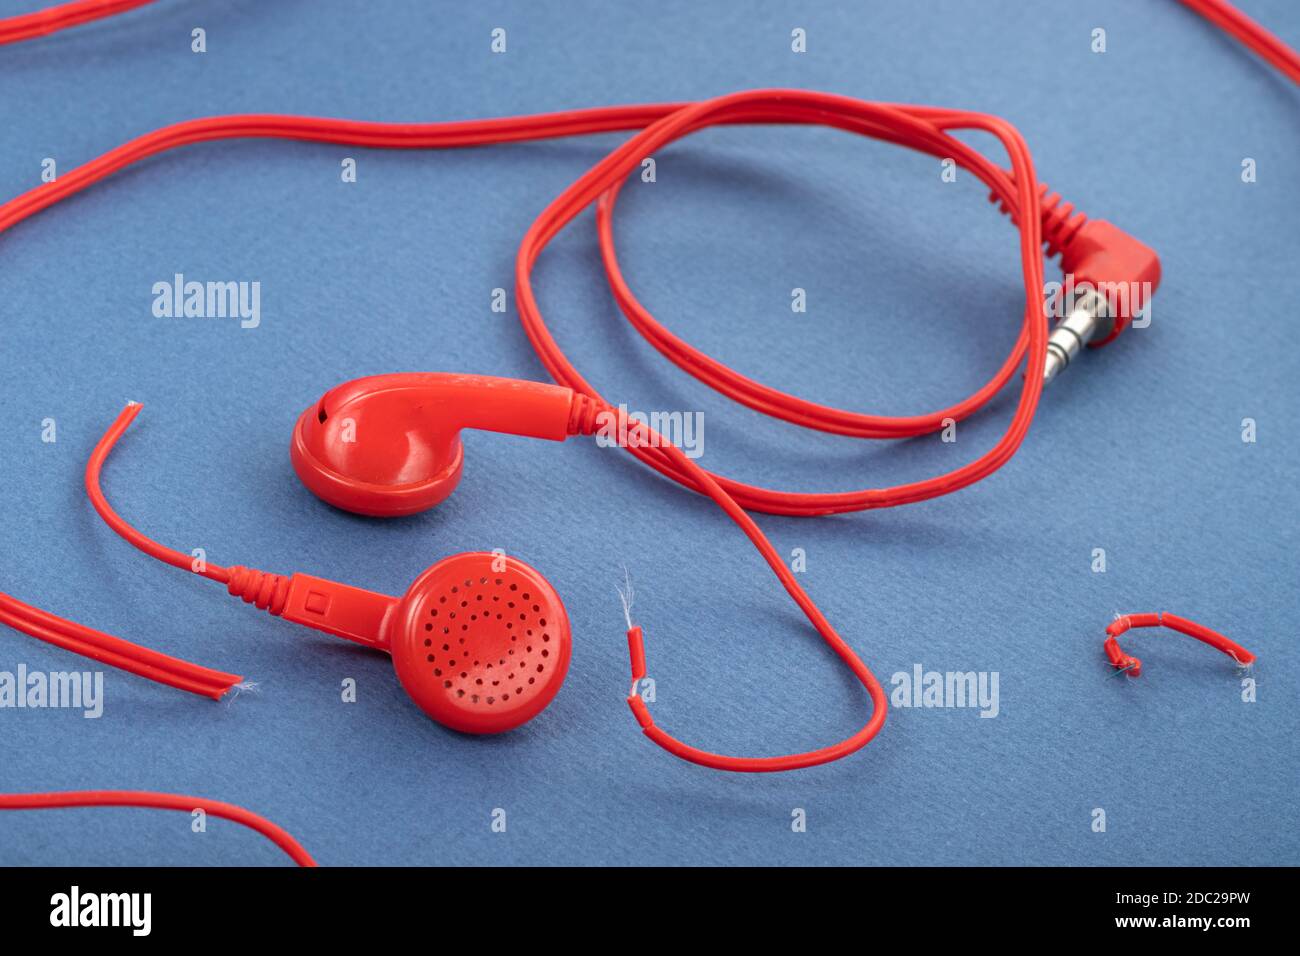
[252, 686]
[626, 595]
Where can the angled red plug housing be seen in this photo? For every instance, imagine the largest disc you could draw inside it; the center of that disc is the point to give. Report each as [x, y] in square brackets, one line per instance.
[1123, 271]
[1109, 277]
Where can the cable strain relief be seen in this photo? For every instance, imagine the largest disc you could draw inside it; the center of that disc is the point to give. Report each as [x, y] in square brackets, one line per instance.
[267, 592]
[1061, 222]
[583, 413]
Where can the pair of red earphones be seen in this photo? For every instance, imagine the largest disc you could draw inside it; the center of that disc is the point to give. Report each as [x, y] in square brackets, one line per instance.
[481, 641]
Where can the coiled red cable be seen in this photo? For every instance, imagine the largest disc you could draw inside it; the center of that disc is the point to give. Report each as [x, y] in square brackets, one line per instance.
[148, 799]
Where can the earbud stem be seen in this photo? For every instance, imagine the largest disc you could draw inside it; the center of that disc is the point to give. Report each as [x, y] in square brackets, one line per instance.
[507, 405]
[339, 609]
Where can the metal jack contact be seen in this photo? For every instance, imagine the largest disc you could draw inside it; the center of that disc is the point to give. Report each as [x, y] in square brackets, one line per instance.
[1089, 318]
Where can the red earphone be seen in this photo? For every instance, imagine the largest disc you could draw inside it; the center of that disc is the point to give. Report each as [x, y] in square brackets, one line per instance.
[480, 641]
[390, 444]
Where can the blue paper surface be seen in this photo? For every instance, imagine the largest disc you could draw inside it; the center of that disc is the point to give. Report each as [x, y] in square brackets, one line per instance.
[913, 300]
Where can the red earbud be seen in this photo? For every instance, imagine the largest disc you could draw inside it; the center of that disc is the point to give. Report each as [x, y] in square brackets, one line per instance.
[390, 445]
[480, 640]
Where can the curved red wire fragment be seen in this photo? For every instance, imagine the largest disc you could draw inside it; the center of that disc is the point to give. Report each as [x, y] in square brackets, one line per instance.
[160, 801]
[41, 23]
[1133, 665]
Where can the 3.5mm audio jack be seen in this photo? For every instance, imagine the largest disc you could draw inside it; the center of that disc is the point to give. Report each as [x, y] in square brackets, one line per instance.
[1089, 318]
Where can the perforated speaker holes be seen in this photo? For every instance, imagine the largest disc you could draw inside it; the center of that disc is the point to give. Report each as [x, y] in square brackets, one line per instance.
[487, 639]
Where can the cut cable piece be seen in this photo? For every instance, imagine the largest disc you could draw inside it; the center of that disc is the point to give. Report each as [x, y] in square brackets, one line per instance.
[150, 800]
[1127, 663]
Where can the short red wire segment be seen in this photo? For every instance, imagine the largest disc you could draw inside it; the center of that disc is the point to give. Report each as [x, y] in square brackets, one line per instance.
[52, 19]
[1133, 665]
[149, 800]
[266, 591]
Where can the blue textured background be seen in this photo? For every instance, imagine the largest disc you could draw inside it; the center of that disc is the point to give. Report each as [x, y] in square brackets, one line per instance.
[914, 298]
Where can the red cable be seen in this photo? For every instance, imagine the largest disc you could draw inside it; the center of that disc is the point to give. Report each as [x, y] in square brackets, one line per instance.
[1219, 12]
[52, 19]
[114, 651]
[1250, 33]
[1133, 665]
[150, 547]
[106, 648]
[922, 128]
[160, 801]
